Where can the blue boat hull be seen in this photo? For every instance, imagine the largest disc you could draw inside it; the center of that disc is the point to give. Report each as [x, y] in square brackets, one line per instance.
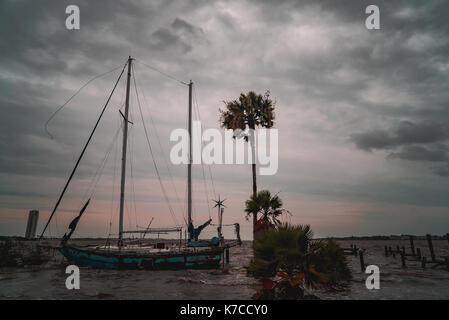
[205, 259]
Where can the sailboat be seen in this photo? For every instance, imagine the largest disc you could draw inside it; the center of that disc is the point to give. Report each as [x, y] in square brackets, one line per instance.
[192, 253]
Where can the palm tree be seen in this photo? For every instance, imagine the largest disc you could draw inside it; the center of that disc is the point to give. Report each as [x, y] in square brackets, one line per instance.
[249, 111]
[290, 254]
[270, 207]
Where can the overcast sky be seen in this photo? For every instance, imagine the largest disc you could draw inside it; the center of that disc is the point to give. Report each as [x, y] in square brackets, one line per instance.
[362, 114]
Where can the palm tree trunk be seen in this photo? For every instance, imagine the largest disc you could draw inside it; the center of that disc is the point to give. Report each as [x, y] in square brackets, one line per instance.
[252, 141]
[254, 193]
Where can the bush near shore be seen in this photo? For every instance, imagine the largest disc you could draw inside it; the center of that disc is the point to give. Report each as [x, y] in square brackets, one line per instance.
[17, 254]
[288, 260]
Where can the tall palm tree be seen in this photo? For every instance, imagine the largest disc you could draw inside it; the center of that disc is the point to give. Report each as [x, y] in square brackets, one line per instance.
[249, 111]
[270, 207]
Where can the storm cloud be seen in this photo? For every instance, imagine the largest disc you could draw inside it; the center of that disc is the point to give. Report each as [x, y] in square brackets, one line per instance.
[362, 115]
[425, 141]
[406, 133]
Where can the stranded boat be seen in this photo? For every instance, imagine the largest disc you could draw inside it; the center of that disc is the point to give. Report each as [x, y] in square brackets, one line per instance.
[192, 253]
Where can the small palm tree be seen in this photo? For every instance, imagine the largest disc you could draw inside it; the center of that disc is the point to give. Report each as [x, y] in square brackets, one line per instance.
[270, 207]
[288, 259]
[249, 111]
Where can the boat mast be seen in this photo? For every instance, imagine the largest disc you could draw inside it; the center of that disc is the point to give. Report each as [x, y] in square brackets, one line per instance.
[189, 168]
[124, 146]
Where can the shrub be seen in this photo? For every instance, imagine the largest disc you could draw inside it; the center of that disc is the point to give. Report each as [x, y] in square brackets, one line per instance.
[290, 256]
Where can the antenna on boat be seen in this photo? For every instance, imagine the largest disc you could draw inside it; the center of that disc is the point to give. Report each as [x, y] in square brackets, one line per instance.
[124, 146]
[219, 204]
[189, 170]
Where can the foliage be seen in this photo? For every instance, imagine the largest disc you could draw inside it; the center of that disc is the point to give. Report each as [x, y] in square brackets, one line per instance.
[248, 111]
[270, 207]
[15, 254]
[34, 256]
[9, 253]
[289, 256]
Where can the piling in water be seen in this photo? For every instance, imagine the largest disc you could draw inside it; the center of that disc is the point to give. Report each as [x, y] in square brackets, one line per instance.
[412, 245]
[418, 254]
[429, 241]
[423, 262]
[362, 262]
[403, 259]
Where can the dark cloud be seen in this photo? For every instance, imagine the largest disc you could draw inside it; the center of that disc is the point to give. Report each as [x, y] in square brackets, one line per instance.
[422, 141]
[442, 171]
[420, 153]
[332, 79]
[406, 133]
[179, 24]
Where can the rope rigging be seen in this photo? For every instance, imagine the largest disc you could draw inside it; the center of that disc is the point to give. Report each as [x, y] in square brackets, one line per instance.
[73, 96]
[82, 152]
[161, 72]
[160, 145]
[197, 109]
[99, 171]
[152, 154]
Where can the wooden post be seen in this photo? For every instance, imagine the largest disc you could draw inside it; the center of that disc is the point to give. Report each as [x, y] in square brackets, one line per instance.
[412, 245]
[355, 250]
[227, 255]
[362, 262]
[386, 251]
[397, 249]
[418, 253]
[423, 262]
[391, 251]
[403, 259]
[429, 241]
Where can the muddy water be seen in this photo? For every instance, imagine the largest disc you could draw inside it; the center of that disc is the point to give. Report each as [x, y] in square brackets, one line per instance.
[48, 282]
[396, 282]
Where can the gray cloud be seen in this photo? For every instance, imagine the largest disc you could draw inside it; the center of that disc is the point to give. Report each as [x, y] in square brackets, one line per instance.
[422, 142]
[442, 171]
[420, 153]
[405, 133]
[332, 79]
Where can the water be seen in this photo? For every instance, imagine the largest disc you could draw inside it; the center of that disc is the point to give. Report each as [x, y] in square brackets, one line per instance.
[396, 282]
[48, 282]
